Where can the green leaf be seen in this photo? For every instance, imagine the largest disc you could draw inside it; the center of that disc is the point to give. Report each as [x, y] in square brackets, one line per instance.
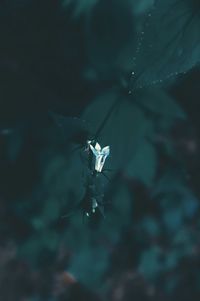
[51, 210]
[160, 103]
[123, 130]
[64, 179]
[169, 43]
[143, 164]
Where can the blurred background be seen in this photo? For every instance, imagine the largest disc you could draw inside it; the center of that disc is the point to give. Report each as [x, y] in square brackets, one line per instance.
[127, 73]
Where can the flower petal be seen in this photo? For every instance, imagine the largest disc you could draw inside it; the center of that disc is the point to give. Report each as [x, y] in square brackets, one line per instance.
[105, 151]
[95, 152]
[98, 147]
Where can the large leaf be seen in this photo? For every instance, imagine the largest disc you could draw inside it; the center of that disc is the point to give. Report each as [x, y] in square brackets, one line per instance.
[168, 43]
[119, 123]
[159, 103]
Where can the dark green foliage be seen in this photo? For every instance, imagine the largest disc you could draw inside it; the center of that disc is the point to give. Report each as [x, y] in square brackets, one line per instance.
[113, 71]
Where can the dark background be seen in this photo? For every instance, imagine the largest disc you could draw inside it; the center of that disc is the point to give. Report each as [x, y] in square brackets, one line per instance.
[128, 73]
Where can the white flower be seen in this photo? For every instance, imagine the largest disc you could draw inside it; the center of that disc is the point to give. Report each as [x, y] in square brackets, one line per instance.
[100, 155]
